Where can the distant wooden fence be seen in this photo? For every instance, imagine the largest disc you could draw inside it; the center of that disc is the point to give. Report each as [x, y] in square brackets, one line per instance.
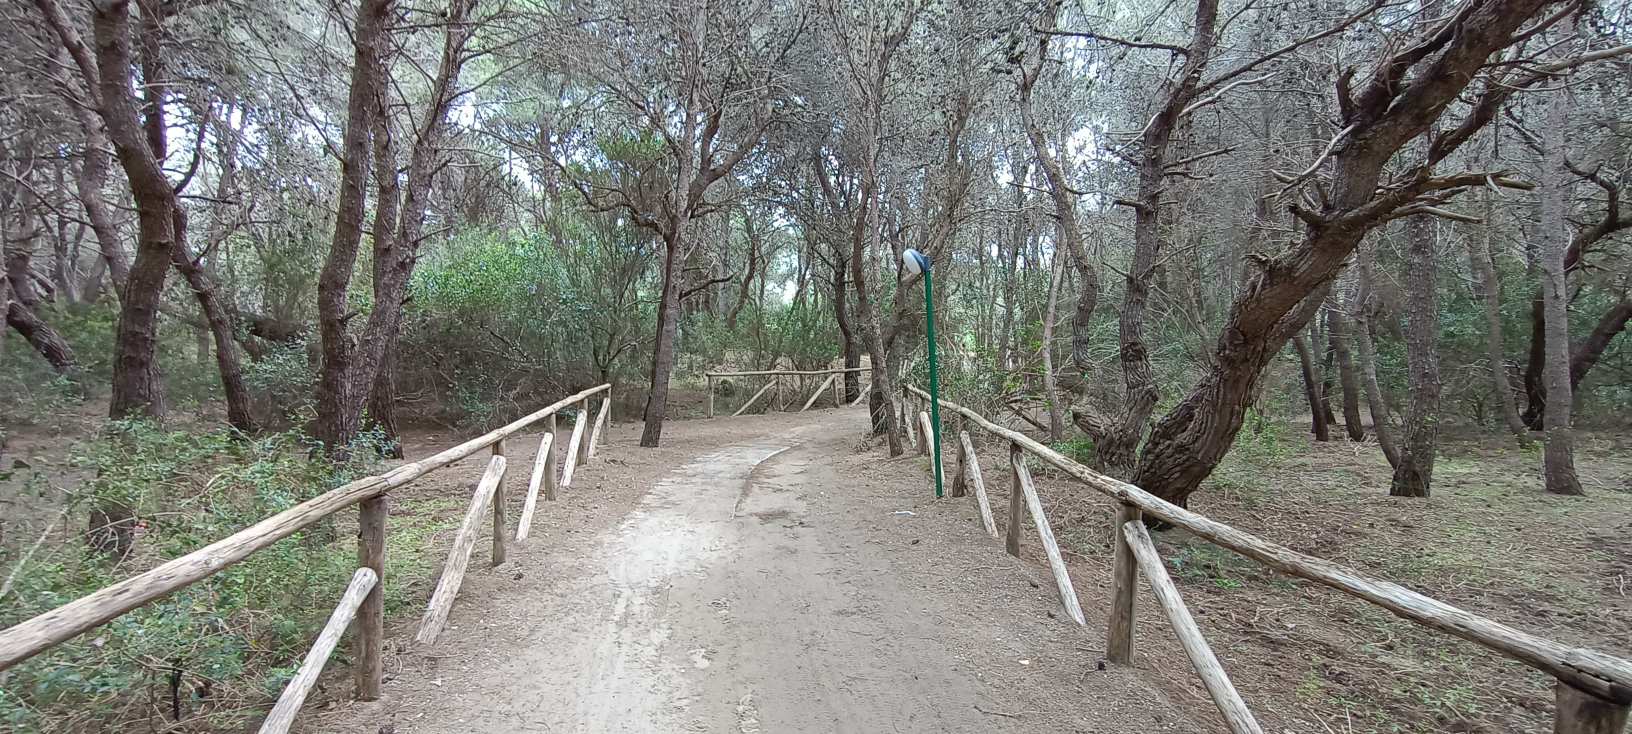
[775, 384]
[1593, 690]
[363, 600]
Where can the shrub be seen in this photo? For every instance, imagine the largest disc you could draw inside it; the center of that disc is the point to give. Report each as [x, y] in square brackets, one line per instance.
[215, 650]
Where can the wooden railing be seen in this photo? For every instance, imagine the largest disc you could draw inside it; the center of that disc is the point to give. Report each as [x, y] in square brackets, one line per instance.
[1593, 690]
[776, 383]
[363, 600]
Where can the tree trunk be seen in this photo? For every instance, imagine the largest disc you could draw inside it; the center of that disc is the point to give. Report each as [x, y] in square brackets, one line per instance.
[1558, 452]
[1328, 370]
[382, 399]
[1487, 288]
[1056, 423]
[1587, 353]
[668, 327]
[1311, 390]
[41, 336]
[1413, 476]
[1348, 379]
[239, 414]
[1382, 419]
[849, 345]
[338, 407]
[137, 388]
[748, 279]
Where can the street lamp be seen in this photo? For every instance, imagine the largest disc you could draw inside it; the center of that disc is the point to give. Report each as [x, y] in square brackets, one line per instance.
[914, 263]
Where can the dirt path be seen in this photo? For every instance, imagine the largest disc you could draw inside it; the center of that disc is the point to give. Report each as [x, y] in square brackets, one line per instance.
[772, 579]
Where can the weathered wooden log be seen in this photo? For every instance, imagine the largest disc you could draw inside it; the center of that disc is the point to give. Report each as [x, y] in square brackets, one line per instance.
[1236, 715]
[1045, 534]
[1124, 589]
[543, 473]
[818, 393]
[26, 639]
[979, 483]
[363, 582]
[368, 644]
[751, 400]
[586, 417]
[499, 530]
[453, 573]
[1597, 673]
[600, 426]
[571, 466]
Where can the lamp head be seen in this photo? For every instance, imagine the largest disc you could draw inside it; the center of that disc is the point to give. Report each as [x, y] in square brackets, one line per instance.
[914, 262]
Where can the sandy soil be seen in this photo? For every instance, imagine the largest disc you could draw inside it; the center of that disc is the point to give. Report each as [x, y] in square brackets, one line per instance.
[757, 574]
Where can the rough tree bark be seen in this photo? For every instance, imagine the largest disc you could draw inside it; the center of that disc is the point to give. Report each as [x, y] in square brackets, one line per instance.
[137, 390]
[338, 418]
[1414, 474]
[1311, 390]
[1348, 379]
[1558, 445]
[1364, 304]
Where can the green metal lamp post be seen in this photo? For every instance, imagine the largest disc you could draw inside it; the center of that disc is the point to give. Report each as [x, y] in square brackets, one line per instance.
[915, 262]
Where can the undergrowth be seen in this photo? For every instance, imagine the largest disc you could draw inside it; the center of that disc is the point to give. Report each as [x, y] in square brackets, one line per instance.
[209, 656]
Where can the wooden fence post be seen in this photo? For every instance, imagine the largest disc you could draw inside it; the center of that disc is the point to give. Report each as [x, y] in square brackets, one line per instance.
[498, 512]
[1011, 541]
[600, 423]
[1124, 587]
[981, 501]
[543, 471]
[1045, 537]
[711, 396]
[453, 573]
[294, 694]
[838, 386]
[959, 478]
[586, 416]
[1579, 712]
[368, 670]
[1236, 715]
[550, 479]
[924, 439]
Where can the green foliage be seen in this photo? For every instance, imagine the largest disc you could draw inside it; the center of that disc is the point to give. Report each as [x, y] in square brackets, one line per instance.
[235, 637]
[1078, 448]
[499, 317]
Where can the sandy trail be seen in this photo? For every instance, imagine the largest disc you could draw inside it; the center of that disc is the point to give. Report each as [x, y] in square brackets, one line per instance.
[770, 580]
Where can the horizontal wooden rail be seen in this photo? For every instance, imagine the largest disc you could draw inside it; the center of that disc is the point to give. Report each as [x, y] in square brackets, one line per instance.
[1600, 674]
[31, 637]
[762, 373]
[294, 694]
